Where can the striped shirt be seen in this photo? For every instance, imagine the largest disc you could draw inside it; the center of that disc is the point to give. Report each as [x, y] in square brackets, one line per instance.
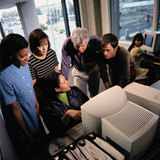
[40, 68]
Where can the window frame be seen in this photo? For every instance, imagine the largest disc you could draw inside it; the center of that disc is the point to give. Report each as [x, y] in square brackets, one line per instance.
[113, 13]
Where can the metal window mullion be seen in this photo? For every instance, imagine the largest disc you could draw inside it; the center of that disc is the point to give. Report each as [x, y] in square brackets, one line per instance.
[77, 15]
[65, 15]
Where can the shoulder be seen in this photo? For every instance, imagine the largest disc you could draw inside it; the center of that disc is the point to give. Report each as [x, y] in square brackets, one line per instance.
[31, 56]
[4, 73]
[7, 75]
[51, 52]
[122, 54]
[68, 45]
[136, 51]
[94, 38]
[67, 41]
[32, 59]
[75, 90]
[122, 51]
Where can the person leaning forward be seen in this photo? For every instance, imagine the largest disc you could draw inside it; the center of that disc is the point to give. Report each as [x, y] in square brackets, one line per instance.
[80, 50]
[118, 61]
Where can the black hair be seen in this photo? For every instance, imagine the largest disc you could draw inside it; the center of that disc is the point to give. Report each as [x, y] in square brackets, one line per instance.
[35, 38]
[109, 38]
[139, 37]
[9, 47]
[48, 85]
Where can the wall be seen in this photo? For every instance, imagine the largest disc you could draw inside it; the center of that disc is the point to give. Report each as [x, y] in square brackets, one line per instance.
[90, 12]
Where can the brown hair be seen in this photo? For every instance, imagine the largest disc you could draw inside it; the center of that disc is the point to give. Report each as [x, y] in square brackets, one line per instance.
[109, 38]
[34, 40]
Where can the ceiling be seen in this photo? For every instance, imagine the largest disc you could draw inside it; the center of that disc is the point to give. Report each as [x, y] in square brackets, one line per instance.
[5, 4]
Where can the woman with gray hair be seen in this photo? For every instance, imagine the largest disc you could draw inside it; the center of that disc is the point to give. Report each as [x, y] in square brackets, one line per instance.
[81, 50]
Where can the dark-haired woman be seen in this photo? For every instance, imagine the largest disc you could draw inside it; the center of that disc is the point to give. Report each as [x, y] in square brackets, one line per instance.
[61, 103]
[18, 101]
[137, 52]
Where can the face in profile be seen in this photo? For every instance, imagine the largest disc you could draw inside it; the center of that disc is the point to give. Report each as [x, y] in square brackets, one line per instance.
[22, 56]
[43, 48]
[82, 47]
[64, 85]
[109, 51]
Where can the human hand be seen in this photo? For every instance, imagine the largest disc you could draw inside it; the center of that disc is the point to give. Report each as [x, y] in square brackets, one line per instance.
[28, 143]
[75, 114]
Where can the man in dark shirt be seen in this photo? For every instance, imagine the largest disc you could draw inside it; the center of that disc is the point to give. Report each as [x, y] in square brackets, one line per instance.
[121, 65]
[81, 50]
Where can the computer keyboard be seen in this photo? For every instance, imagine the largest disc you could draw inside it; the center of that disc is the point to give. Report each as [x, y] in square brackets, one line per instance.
[76, 131]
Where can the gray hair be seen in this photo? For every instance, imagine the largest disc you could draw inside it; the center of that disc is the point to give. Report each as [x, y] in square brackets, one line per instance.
[79, 35]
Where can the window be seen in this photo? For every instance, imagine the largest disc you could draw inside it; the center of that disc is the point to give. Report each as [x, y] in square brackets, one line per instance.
[134, 16]
[10, 21]
[57, 18]
[159, 18]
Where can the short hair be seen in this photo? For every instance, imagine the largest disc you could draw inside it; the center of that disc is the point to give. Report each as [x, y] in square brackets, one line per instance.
[109, 38]
[9, 47]
[79, 35]
[35, 38]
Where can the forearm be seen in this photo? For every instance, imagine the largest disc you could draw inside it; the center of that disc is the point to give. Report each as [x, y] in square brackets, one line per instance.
[37, 104]
[19, 118]
[103, 72]
[75, 114]
[65, 64]
[56, 69]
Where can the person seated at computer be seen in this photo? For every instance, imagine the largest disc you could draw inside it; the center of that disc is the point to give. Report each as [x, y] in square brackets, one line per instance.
[61, 103]
[121, 65]
[137, 52]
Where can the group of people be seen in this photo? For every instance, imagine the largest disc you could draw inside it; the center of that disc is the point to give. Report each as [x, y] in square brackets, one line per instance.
[33, 85]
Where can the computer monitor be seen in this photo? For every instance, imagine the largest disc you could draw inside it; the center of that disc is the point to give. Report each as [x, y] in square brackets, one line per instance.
[110, 114]
[133, 129]
[146, 97]
[104, 104]
[151, 41]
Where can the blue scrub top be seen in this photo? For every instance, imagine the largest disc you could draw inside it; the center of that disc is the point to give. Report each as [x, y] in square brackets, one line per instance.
[16, 85]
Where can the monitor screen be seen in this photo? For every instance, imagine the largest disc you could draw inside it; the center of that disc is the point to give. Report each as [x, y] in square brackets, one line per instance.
[149, 40]
[152, 42]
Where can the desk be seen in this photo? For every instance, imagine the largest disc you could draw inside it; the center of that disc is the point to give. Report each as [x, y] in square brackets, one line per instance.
[152, 62]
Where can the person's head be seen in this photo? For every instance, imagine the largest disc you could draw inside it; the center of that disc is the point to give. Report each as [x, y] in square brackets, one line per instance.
[39, 42]
[14, 50]
[80, 39]
[109, 45]
[53, 84]
[138, 40]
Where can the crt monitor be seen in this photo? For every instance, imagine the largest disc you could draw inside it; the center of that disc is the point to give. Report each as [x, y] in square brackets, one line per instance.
[151, 41]
[104, 104]
[110, 114]
[133, 129]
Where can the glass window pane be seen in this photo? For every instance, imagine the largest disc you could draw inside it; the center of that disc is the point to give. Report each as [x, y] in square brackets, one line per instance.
[1, 37]
[135, 16]
[71, 15]
[51, 20]
[10, 21]
[159, 18]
